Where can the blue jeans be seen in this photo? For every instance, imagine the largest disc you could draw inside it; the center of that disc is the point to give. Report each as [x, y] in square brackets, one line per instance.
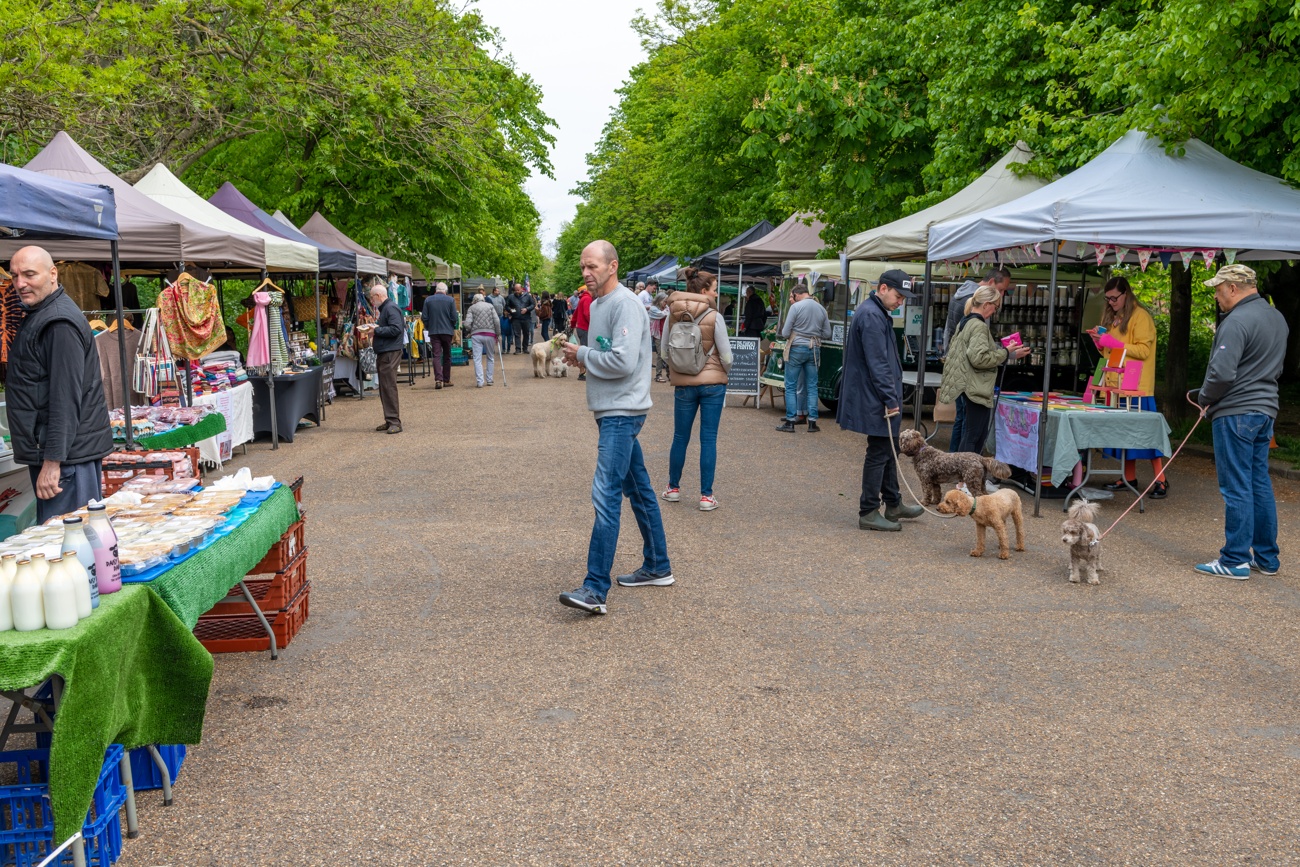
[1250, 517]
[621, 472]
[506, 333]
[958, 424]
[801, 381]
[708, 399]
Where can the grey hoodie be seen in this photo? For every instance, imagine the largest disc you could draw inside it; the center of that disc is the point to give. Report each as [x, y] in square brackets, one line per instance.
[1246, 361]
[618, 378]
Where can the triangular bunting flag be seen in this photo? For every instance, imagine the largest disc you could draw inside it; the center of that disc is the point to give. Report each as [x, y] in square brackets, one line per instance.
[1101, 250]
[1080, 249]
[1144, 256]
[1209, 255]
[1231, 255]
[1166, 257]
[1186, 256]
[1038, 248]
[1120, 254]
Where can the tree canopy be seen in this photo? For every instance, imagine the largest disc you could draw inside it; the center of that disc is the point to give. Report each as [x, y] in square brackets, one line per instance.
[401, 121]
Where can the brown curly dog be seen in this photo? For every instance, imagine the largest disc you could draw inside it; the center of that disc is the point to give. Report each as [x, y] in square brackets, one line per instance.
[988, 510]
[934, 467]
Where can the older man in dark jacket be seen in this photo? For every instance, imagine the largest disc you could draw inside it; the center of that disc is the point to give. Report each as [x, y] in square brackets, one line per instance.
[389, 331]
[439, 316]
[870, 399]
[58, 419]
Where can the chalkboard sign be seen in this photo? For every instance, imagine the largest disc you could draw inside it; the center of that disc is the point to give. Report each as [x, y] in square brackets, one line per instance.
[743, 377]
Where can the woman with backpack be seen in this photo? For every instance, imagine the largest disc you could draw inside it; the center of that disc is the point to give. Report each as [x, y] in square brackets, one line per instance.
[698, 353]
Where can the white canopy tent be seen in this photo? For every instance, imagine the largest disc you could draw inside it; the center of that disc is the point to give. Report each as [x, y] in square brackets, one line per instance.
[281, 254]
[908, 238]
[1134, 200]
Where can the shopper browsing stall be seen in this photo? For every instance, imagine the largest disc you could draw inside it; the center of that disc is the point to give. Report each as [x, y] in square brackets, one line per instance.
[388, 331]
[58, 421]
[806, 326]
[1126, 324]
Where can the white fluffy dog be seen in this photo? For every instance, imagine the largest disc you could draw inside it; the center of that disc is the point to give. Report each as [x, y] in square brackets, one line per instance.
[543, 353]
[1080, 533]
[557, 367]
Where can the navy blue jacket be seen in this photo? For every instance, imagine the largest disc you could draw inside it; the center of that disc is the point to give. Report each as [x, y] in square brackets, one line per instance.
[389, 328]
[873, 373]
[439, 314]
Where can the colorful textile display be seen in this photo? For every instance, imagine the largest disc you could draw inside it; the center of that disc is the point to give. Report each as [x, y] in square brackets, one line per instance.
[258, 352]
[279, 340]
[191, 316]
[11, 315]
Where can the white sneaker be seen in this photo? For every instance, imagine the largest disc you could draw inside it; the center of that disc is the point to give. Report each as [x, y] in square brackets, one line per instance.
[672, 495]
[708, 504]
[990, 488]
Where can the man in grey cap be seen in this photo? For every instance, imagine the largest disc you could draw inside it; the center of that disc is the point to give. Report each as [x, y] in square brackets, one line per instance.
[1240, 396]
[871, 398]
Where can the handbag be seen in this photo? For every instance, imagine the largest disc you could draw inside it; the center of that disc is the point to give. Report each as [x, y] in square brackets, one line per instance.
[369, 363]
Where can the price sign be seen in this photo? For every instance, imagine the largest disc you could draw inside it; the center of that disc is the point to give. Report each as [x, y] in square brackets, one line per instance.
[743, 377]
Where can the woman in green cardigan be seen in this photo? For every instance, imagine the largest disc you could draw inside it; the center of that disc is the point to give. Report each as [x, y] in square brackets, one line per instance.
[971, 371]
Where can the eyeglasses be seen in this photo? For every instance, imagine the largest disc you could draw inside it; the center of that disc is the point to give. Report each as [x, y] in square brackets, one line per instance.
[1114, 297]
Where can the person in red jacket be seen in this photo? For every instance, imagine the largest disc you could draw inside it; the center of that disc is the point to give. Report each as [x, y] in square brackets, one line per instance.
[582, 321]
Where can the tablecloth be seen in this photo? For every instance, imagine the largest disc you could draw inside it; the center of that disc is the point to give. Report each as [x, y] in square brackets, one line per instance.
[187, 434]
[236, 404]
[296, 397]
[133, 674]
[1069, 432]
[192, 586]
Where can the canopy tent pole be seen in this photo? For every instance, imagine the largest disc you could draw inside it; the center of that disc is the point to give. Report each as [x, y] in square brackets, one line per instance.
[319, 344]
[740, 287]
[1047, 382]
[361, 374]
[270, 373]
[919, 398]
[127, 372]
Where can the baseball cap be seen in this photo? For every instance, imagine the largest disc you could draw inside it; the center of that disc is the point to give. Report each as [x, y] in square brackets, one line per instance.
[1239, 274]
[898, 280]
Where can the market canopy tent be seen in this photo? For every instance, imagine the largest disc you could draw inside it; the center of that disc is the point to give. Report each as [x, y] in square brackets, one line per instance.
[796, 238]
[322, 230]
[909, 237]
[710, 261]
[149, 232]
[281, 255]
[37, 207]
[239, 206]
[663, 263]
[1136, 196]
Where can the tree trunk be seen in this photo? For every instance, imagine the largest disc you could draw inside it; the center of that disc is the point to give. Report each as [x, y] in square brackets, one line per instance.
[1176, 352]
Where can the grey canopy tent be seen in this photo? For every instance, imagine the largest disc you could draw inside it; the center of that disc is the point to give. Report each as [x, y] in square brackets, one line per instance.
[663, 262]
[711, 261]
[239, 206]
[799, 237]
[1132, 201]
[324, 231]
[908, 239]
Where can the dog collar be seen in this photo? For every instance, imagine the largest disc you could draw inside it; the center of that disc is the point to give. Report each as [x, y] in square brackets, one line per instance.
[972, 505]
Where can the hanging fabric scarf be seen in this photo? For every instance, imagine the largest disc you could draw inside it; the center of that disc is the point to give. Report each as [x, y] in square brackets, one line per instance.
[191, 316]
[279, 350]
[258, 354]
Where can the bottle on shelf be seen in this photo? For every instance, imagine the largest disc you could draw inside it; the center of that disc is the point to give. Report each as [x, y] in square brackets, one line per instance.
[103, 541]
[26, 599]
[59, 596]
[74, 538]
[81, 582]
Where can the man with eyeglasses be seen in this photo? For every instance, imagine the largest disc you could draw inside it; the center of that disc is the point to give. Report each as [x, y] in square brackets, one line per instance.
[1241, 398]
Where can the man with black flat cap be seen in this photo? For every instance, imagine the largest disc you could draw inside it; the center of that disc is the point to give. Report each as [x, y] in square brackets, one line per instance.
[871, 397]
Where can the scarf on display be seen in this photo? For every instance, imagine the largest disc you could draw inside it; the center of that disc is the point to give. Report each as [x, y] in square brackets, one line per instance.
[11, 315]
[191, 317]
[279, 341]
[258, 354]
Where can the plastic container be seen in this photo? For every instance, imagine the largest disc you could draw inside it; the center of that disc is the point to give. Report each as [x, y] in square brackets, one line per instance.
[103, 541]
[145, 775]
[243, 633]
[27, 825]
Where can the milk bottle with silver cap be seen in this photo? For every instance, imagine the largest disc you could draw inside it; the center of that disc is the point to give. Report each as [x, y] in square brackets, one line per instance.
[74, 538]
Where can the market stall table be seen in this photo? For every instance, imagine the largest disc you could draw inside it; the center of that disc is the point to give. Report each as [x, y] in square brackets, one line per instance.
[1071, 431]
[132, 673]
[208, 427]
[236, 404]
[297, 396]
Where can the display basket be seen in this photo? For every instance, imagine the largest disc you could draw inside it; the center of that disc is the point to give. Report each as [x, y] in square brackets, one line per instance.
[243, 633]
[27, 822]
[273, 593]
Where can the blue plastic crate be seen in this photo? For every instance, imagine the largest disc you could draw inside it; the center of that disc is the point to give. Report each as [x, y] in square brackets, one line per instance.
[27, 824]
[145, 774]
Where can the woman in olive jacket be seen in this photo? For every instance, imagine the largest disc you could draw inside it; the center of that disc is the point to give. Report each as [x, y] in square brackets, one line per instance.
[971, 371]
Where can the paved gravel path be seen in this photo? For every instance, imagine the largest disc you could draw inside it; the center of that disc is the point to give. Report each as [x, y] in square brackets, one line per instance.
[806, 693]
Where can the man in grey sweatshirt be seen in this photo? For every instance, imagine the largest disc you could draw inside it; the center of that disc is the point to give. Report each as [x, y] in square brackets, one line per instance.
[1240, 396]
[617, 359]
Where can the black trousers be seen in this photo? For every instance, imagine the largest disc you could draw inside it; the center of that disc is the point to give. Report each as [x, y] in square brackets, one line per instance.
[440, 349]
[879, 476]
[523, 330]
[976, 431]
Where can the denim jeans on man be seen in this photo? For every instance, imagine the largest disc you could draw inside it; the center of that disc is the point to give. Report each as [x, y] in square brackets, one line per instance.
[1250, 511]
[621, 472]
[484, 345]
[801, 381]
[708, 399]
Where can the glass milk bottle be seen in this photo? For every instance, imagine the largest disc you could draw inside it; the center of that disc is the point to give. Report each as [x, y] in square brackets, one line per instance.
[103, 541]
[60, 597]
[26, 599]
[74, 539]
[81, 583]
[7, 567]
[40, 565]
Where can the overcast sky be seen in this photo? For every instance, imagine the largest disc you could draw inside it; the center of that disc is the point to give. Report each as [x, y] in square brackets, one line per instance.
[578, 52]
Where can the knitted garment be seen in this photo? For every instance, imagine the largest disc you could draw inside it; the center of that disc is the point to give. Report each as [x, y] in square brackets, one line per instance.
[191, 316]
[279, 348]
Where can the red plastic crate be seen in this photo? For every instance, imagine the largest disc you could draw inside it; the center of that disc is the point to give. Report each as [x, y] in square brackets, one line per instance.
[242, 633]
[273, 593]
[283, 551]
[296, 487]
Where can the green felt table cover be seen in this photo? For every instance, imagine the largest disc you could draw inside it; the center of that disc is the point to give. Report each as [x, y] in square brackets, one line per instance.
[133, 674]
[193, 586]
[187, 434]
[1071, 431]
